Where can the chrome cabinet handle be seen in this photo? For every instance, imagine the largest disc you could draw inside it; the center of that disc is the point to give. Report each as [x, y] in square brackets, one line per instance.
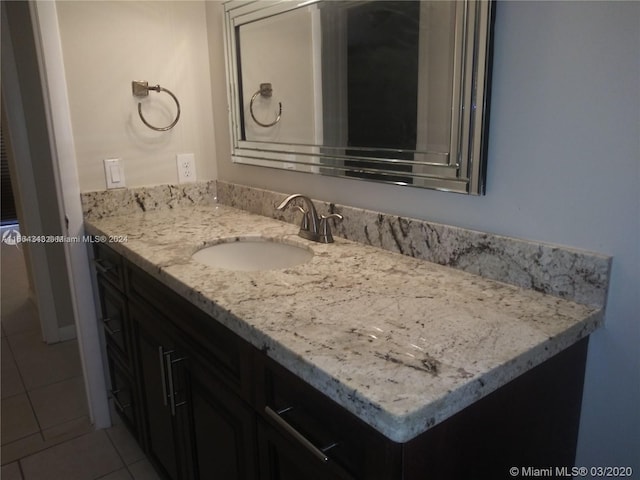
[161, 355]
[119, 405]
[108, 329]
[172, 391]
[276, 417]
[102, 265]
[172, 405]
[166, 372]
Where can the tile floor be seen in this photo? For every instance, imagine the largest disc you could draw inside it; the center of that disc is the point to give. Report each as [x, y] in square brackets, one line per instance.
[46, 432]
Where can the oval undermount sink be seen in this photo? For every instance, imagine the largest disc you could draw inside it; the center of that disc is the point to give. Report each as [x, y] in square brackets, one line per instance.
[252, 254]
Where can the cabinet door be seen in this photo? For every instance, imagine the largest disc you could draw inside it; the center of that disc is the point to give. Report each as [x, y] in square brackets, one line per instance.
[158, 380]
[194, 379]
[223, 430]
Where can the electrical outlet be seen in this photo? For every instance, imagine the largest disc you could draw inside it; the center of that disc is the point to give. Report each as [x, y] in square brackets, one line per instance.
[186, 167]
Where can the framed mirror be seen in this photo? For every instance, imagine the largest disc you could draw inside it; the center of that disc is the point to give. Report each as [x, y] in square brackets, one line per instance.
[385, 90]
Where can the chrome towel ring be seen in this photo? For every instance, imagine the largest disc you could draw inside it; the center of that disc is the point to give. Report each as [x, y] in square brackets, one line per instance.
[265, 91]
[141, 89]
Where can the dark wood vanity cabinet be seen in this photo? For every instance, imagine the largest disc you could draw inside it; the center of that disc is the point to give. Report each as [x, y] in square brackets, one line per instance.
[204, 404]
[183, 396]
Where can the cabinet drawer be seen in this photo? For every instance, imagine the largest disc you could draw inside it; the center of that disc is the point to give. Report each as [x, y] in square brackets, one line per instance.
[109, 265]
[123, 393]
[331, 436]
[281, 458]
[115, 320]
[226, 355]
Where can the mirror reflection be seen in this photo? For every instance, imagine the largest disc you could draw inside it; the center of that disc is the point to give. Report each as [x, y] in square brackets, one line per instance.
[379, 90]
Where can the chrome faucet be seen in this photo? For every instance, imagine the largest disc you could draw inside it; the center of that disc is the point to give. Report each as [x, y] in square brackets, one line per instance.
[313, 227]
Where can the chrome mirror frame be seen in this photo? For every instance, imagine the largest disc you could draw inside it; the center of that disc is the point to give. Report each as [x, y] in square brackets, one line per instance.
[462, 169]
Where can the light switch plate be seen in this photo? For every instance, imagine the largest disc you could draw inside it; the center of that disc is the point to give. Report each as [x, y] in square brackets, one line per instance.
[186, 167]
[114, 173]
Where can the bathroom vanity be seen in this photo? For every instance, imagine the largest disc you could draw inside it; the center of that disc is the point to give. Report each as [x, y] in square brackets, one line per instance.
[358, 364]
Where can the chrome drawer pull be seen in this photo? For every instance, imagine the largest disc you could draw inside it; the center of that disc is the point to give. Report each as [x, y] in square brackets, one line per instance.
[102, 265]
[109, 330]
[329, 447]
[275, 416]
[120, 406]
[168, 364]
[172, 390]
[161, 355]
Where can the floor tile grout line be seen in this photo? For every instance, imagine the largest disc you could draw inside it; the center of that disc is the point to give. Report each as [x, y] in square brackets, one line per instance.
[53, 443]
[106, 431]
[65, 379]
[106, 475]
[126, 465]
[22, 476]
[41, 430]
[71, 420]
[5, 335]
[20, 371]
[19, 461]
[26, 393]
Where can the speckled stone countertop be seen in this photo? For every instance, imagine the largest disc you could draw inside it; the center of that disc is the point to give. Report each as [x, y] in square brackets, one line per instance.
[400, 342]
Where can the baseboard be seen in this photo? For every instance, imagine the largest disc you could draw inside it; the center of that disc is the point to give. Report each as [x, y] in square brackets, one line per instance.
[66, 333]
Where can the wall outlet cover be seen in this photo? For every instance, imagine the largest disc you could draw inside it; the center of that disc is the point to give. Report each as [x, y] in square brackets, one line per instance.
[186, 167]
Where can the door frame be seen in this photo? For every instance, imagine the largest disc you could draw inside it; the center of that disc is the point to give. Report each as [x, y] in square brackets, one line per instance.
[48, 45]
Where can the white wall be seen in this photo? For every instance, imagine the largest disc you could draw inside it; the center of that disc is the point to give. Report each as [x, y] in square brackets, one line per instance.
[564, 167]
[107, 45]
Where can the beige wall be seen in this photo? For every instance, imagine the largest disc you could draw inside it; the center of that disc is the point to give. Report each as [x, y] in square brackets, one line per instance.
[106, 45]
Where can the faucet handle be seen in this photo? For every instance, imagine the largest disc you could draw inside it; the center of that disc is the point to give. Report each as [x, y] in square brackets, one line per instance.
[325, 229]
[304, 224]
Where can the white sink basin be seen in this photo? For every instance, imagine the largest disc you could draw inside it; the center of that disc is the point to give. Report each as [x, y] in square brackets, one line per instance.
[252, 254]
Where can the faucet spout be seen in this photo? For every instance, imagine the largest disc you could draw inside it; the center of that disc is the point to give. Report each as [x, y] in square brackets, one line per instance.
[310, 227]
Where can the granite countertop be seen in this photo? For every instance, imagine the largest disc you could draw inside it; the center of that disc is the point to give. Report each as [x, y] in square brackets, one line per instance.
[402, 343]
